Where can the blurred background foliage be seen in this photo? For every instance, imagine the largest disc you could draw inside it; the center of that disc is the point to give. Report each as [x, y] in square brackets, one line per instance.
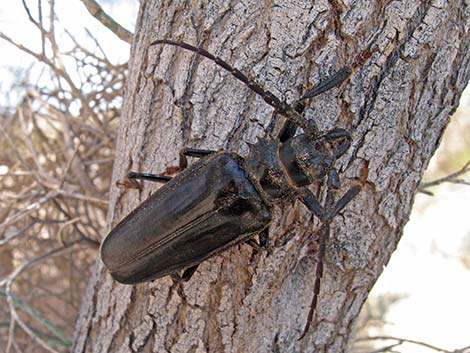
[454, 150]
[58, 124]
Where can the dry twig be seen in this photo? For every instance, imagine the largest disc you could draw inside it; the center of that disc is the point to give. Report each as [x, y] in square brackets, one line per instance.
[96, 11]
[400, 341]
[451, 178]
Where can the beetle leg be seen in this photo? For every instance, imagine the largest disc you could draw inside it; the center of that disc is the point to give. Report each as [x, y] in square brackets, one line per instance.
[251, 242]
[148, 176]
[323, 240]
[324, 235]
[333, 181]
[263, 238]
[311, 201]
[352, 192]
[191, 152]
[189, 272]
[289, 128]
[347, 197]
[330, 82]
[186, 276]
[287, 131]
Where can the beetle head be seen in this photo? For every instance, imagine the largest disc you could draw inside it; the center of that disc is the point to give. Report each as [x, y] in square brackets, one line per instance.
[307, 159]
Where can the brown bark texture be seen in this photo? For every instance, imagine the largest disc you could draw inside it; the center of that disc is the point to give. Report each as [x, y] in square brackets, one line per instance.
[411, 62]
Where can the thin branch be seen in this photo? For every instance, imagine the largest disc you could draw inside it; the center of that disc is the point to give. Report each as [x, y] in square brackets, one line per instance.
[29, 208]
[39, 57]
[8, 282]
[59, 72]
[451, 178]
[386, 348]
[83, 237]
[16, 234]
[11, 336]
[90, 199]
[97, 12]
[31, 18]
[56, 332]
[98, 45]
[404, 340]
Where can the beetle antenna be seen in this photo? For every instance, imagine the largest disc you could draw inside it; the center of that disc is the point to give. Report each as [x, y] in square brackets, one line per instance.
[268, 97]
[324, 235]
[325, 216]
[281, 107]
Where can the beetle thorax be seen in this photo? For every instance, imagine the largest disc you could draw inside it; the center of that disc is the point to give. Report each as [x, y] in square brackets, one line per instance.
[264, 168]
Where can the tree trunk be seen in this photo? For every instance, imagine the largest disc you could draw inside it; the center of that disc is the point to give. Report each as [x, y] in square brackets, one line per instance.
[411, 65]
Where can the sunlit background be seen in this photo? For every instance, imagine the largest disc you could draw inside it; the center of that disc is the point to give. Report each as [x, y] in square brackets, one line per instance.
[423, 294]
[429, 273]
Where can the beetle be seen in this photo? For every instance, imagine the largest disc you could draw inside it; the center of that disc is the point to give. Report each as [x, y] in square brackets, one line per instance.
[224, 199]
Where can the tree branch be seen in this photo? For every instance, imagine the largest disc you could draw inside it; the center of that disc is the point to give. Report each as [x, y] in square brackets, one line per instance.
[97, 12]
[451, 178]
[400, 341]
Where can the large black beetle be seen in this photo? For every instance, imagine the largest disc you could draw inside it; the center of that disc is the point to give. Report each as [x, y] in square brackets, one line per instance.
[224, 199]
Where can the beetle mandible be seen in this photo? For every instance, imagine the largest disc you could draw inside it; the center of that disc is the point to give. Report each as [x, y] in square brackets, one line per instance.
[224, 199]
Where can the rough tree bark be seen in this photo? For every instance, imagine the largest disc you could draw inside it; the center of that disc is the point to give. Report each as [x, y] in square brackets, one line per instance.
[397, 104]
